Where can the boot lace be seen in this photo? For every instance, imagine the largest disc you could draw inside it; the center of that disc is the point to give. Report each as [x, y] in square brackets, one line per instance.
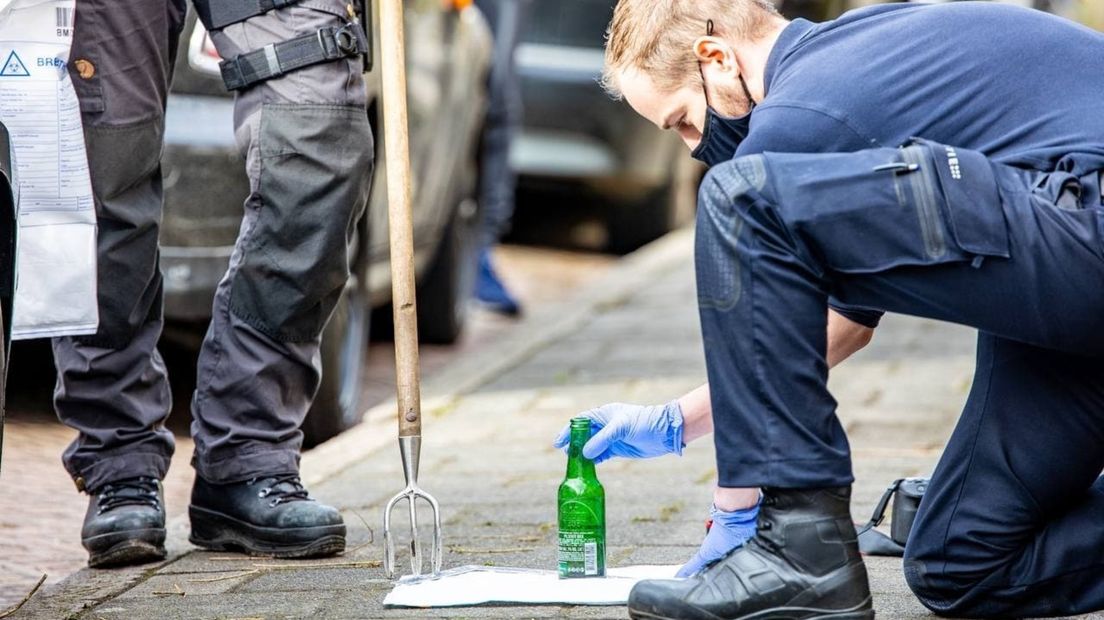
[140, 491]
[281, 489]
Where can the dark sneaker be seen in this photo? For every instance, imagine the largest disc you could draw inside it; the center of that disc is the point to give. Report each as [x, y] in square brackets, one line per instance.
[125, 523]
[803, 563]
[271, 515]
[490, 291]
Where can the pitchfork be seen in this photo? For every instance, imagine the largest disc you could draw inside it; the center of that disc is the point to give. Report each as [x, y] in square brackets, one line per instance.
[396, 142]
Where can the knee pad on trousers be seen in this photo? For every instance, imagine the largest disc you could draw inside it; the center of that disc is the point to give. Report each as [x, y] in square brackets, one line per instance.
[936, 594]
[720, 226]
[915, 571]
[315, 171]
[724, 183]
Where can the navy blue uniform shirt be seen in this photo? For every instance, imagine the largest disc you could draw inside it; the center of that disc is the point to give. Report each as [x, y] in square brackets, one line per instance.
[1024, 87]
[1021, 86]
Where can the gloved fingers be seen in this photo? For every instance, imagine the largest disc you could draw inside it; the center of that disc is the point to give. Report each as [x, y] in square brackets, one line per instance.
[601, 458]
[599, 416]
[716, 544]
[693, 567]
[601, 441]
[597, 421]
[730, 530]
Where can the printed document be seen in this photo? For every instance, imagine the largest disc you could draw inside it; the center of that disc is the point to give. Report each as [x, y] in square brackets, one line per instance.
[55, 291]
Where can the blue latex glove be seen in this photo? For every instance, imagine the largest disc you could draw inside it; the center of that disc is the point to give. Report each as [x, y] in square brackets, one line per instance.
[730, 530]
[631, 431]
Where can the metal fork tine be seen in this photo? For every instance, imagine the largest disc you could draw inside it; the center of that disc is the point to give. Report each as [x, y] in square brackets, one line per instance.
[437, 553]
[415, 547]
[411, 493]
[388, 539]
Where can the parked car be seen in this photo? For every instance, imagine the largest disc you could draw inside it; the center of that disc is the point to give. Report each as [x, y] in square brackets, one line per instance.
[573, 135]
[205, 186]
[578, 145]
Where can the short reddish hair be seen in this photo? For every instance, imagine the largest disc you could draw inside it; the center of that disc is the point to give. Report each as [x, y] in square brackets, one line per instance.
[657, 36]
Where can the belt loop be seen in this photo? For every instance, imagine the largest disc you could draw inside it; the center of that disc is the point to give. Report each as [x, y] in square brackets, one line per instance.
[272, 59]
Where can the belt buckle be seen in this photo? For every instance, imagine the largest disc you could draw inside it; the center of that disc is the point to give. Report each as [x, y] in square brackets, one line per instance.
[347, 40]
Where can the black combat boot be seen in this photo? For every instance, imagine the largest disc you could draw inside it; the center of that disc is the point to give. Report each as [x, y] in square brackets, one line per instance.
[125, 523]
[270, 515]
[802, 564]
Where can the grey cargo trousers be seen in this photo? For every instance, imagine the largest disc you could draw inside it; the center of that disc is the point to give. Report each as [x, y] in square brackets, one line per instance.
[308, 151]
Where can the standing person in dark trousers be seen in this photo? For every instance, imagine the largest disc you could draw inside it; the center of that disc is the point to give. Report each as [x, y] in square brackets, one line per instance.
[301, 124]
[821, 211]
[497, 181]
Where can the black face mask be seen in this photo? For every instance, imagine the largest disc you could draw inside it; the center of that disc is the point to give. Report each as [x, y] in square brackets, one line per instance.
[721, 138]
[722, 134]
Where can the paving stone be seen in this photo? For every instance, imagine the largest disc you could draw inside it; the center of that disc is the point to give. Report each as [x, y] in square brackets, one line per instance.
[225, 606]
[488, 458]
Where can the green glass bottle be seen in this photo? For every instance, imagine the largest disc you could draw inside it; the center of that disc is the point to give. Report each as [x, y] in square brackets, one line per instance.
[582, 512]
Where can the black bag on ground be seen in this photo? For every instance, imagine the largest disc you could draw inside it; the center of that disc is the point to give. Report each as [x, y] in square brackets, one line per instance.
[906, 494]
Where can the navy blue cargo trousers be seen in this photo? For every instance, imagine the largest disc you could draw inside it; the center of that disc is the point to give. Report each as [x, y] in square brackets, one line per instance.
[1013, 523]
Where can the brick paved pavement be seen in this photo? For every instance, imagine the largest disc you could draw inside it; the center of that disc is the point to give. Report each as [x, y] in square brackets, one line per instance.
[41, 513]
[488, 459]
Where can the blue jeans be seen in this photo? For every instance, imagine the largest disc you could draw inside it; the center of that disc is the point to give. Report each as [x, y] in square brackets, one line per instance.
[497, 181]
[1011, 521]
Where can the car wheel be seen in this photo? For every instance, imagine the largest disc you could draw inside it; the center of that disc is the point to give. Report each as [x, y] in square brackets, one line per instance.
[337, 404]
[633, 225]
[445, 291]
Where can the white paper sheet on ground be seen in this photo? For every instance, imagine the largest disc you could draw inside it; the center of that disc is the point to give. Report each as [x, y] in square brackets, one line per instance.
[482, 585]
[55, 292]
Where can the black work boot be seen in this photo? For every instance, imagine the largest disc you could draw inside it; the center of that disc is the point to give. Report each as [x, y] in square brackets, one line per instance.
[270, 515]
[125, 523]
[803, 563]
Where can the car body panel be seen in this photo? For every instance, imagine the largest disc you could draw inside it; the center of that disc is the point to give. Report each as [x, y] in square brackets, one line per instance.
[573, 132]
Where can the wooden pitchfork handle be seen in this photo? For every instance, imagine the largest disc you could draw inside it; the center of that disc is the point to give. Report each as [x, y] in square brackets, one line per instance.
[397, 153]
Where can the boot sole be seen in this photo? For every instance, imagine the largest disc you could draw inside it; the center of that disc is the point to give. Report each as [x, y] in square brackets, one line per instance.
[219, 532]
[125, 548]
[861, 611]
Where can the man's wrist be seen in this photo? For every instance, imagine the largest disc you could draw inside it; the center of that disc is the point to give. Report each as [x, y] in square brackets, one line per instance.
[733, 499]
[696, 410]
[739, 516]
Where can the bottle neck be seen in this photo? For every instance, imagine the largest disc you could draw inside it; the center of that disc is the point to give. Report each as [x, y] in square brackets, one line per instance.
[578, 466]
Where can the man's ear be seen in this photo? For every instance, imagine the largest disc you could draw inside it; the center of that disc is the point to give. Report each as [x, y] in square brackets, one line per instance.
[710, 49]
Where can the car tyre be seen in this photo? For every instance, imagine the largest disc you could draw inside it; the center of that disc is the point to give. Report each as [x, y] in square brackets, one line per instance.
[444, 293]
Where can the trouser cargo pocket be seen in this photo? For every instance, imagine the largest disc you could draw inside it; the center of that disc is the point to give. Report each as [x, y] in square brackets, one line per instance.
[921, 204]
